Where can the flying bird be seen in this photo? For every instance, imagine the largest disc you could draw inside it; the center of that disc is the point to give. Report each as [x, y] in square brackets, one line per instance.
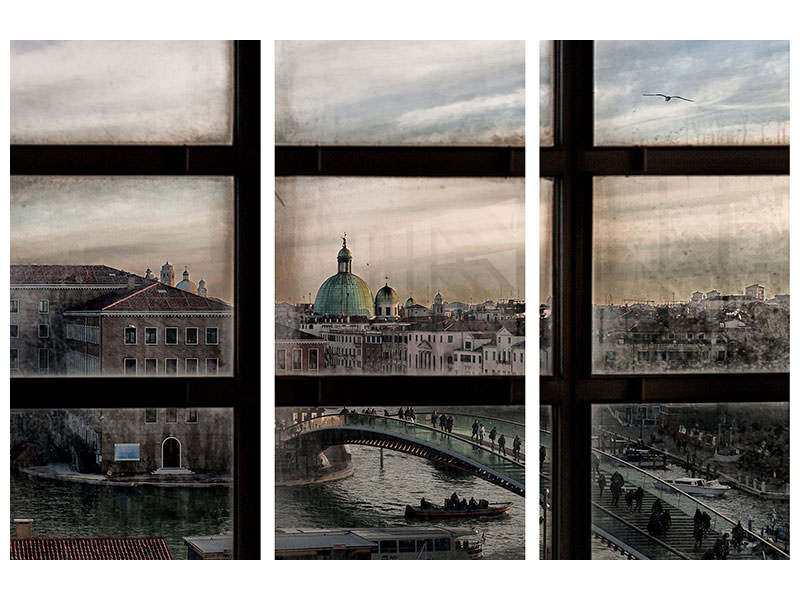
[668, 98]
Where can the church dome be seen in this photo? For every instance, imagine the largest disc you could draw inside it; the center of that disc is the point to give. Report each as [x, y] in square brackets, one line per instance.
[186, 284]
[386, 295]
[410, 302]
[344, 293]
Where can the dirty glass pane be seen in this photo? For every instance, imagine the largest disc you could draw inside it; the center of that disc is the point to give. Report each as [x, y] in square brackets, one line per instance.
[84, 474]
[546, 276]
[546, 71]
[672, 462]
[691, 274]
[357, 487]
[121, 92]
[396, 275]
[720, 92]
[123, 273]
[545, 482]
[400, 92]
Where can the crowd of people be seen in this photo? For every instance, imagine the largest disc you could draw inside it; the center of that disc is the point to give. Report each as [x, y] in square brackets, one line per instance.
[479, 434]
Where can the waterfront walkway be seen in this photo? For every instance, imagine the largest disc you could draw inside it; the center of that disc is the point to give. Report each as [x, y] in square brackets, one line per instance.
[64, 472]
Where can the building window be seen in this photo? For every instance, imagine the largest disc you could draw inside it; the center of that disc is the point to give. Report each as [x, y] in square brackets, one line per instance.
[172, 415]
[280, 356]
[14, 306]
[313, 359]
[44, 359]
[44, 330]
[212, 366]
[150, 415]
[297, 359]
[191, 336]
[151, 366]
[14, 358]
[212, 336]
[127, 452]
[191, 415]
[191, 366]
[151, 335]
[14, 331]
[170, 335]
[130, 335]
[170, 366]
[44, 306]
[130, 367]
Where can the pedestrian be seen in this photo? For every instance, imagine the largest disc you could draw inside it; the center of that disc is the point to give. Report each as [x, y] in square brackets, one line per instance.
[481, 434]
[517, 447]
[475, 429]
[638, 496]
[450, 421]
[595, 465]
[542, 455]
[492, 435]
[601, 483]
[706, 522]
[629, 499]
[501, 444]
[442, 421]
[433, 419]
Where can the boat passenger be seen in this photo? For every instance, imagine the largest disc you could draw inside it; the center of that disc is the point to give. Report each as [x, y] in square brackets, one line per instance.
[472, 504]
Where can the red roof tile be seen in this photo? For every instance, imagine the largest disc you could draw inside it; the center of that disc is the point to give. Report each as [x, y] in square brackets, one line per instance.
[69, 274]
[128, 548]
[154, 297]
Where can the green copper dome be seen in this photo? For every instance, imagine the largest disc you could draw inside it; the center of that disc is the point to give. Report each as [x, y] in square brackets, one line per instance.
[386, 295]
[344, 293]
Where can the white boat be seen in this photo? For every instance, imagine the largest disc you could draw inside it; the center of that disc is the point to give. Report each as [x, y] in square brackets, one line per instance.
[726, 458]
[699, 487]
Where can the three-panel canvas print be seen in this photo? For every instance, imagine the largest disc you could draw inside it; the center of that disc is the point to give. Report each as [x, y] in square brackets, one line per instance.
[375, 340]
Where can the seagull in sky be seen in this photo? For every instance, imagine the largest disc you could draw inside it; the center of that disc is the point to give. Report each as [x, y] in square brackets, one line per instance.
[668, 98]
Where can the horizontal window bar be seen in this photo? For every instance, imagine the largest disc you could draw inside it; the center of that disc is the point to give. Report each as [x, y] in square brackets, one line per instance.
[400, 161]
[699, 160]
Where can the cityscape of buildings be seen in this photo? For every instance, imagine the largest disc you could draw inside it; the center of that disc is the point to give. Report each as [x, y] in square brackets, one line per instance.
[347, 330]
[95, 320]
[710, 331]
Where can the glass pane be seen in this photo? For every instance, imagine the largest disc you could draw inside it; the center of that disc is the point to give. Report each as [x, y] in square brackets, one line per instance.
[93, 248]
[364, 489]
[416, 276]
[84, 474]
[546, 72]
[545, 482]
[121, 92]
[678, 481]
[546, 276]
[400, 92]
[691, 274]
[707, 92]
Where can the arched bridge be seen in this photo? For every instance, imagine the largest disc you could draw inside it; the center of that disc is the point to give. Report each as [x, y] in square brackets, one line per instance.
[418, 439]
[627, 530]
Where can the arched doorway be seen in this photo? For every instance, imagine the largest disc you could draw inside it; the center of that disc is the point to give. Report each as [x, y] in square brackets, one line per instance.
[170, 453]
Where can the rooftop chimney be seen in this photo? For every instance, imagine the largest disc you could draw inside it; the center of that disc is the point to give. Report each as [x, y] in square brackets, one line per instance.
[24, 528]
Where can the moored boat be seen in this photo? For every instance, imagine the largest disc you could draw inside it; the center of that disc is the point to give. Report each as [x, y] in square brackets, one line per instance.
[434, 511]
[699, 487]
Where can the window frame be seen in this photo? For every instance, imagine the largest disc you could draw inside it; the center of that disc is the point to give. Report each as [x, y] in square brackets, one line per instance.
[240, 391]
[572, 389]
[147, 331]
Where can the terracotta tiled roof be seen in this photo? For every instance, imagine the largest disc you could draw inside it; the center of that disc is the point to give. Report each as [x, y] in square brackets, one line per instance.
[128, 548]
[69, 274]
[153, 297]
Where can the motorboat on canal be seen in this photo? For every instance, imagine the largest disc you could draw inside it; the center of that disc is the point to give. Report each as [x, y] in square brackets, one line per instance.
[699, 487]
[379, 543]
[644, 457]
[428, 510]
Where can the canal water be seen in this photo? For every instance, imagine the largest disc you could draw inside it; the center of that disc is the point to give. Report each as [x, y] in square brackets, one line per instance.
[377, 497]
[68, 509]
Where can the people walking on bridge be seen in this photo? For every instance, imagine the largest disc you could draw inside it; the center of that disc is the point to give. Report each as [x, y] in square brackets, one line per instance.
[493, 435]
[517, 447]
[657, 508]
[601, 483]
[629, 499]
[737, 536]
[638, 496]
[434, 418]
[595, 465]
[481, 433]
[501, 444]
[697, 529]
[706, 522]
[443, 421]
[475, 427]
[450, 421]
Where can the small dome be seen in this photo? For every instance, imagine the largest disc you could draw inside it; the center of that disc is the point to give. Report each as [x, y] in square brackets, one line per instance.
[437, 298]
[410, 302]
[386, 295]
[345, 253]
[186, 284]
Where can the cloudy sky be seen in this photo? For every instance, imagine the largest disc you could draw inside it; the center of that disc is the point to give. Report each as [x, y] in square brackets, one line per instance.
[404, 92]
[659, 238]
[740, 91]
[462, 237]
[154, 92]
[130, 223]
